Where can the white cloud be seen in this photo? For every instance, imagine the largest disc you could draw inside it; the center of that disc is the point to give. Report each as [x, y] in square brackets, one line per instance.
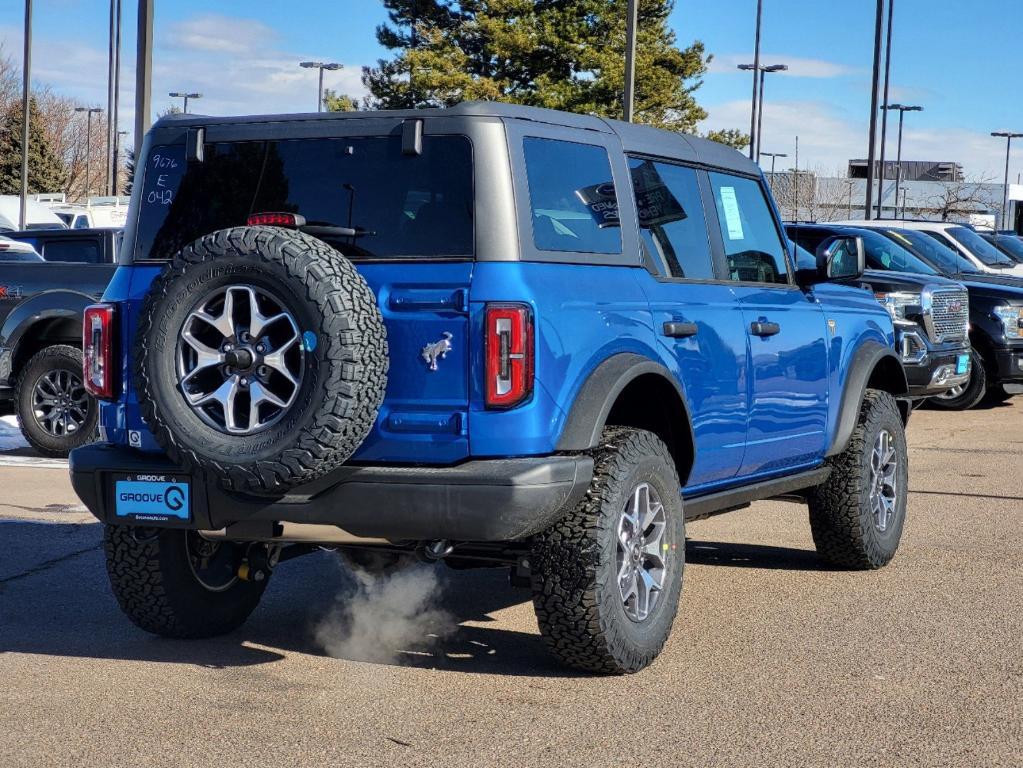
[798, 66]
[218, 33]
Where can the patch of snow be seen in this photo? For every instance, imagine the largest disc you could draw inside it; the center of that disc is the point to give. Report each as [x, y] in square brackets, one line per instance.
[10, 434]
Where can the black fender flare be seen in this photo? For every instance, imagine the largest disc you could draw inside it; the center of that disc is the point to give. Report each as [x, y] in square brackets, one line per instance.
[589, 411]
[43, 307]
[864, 363]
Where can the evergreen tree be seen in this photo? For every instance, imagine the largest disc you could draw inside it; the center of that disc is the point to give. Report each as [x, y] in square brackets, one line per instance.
[338, 102]
[730, 137]
[46, 171]
[562, 54]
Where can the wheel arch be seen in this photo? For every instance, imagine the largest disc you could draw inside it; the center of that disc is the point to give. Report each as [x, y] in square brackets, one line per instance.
[51, 318]
[873, 366]
[632, 391]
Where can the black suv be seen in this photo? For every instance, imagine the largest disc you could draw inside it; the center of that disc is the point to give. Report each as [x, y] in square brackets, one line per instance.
[930, 312]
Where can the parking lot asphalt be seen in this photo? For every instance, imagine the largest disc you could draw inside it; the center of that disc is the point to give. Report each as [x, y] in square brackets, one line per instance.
[774, 660]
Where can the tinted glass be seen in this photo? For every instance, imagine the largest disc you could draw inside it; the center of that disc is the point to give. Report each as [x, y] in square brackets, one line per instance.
[671, 221]
[884, 253]
[980, 247]
[753, 246]
[6, 255]
[572, 197]
[69, 250]
[937, 254]
[1012, 246]
[401, 206]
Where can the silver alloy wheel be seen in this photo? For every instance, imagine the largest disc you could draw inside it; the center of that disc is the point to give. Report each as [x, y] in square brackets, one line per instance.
[240, 359]
[884, 465]
[60, 403]
[640, 554]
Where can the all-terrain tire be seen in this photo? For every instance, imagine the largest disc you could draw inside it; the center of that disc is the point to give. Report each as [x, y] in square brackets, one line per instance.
[574, 574]
[344, 360]
[974, 391]
[841, 517]
[66, 361]
[157, 588]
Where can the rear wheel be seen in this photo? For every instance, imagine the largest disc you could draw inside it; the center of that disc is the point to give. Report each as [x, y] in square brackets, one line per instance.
[965, 396]
[174, 583]
[607, 577]
[56, 414]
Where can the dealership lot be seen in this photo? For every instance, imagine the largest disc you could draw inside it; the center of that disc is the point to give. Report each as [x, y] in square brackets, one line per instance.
[774, 660]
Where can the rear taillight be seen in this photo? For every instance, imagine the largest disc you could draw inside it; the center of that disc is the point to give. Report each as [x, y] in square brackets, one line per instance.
[98, 347]
[276, 219]
[509, 350]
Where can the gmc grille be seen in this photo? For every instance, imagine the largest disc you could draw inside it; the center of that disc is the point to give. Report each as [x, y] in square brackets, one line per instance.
[949, 318]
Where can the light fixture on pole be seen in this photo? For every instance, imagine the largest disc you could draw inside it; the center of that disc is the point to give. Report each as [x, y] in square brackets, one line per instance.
[186, 97]
[756, 82]
[902, 109]
[1008, 136]
[755, 139]
[774, 156]
[330, 67]
[89, 112]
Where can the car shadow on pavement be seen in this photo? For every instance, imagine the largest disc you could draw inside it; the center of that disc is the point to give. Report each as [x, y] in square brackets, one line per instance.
[738, 555]
[60, 604]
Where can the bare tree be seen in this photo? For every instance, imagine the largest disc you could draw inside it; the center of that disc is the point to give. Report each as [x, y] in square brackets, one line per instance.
[813, 195]
[964, 197]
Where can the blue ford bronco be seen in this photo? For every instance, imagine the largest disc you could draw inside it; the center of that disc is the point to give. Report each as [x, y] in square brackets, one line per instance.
[490, 335]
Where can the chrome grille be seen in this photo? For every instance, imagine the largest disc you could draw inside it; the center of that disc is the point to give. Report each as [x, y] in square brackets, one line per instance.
[949, 316]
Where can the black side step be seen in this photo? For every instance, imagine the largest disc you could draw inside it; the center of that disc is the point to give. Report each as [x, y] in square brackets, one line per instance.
[737, 498]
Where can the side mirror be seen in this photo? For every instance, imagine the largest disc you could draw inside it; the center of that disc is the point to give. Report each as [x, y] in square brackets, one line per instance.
[841, 258]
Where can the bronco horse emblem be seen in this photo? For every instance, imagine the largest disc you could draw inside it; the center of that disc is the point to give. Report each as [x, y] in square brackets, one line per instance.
[438, 350]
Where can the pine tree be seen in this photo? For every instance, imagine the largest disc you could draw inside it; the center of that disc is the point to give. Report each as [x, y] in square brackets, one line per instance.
[563, 54]
[730, 137]
[46, 171]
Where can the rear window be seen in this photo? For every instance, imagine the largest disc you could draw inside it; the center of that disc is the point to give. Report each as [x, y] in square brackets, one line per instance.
[402, 206]
[73, 250]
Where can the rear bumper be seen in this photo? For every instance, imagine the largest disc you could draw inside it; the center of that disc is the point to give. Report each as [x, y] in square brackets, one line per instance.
[486, 500]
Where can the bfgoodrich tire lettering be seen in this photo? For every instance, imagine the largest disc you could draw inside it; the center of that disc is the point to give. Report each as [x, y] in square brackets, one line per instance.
[579, 606]
[344, 369]
[842, 518]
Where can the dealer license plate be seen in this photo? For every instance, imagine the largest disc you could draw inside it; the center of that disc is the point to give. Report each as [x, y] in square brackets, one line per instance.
[153, 497]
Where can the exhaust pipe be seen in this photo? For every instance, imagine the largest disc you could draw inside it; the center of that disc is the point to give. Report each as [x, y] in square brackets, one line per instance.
[292, 533]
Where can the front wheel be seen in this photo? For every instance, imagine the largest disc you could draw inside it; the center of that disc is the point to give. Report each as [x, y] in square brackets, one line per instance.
[857, 514]
[174, 583]
[56, 414]
[607, 577]
[965, 396]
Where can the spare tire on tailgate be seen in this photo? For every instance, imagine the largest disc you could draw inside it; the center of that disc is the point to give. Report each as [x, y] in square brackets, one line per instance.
[260, 358]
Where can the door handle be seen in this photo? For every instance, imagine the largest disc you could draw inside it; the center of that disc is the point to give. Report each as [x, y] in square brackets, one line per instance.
[763, 328]
[680, 330]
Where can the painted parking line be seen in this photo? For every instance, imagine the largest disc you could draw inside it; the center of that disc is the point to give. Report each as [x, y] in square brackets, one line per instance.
[39, 462]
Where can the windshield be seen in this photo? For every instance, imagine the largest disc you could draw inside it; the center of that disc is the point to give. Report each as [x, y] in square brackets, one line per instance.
[398, 205]
[881, 252]
[980, 248]
[1013, 246]
[941, 257]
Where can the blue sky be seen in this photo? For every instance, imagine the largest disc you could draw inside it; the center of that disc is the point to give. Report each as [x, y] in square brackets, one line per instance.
[964, 67]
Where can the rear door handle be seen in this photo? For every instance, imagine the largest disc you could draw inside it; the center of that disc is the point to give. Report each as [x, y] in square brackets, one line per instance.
[763, 328]
[680, 330]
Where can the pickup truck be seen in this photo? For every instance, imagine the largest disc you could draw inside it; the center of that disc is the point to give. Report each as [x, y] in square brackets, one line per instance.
[41, 306]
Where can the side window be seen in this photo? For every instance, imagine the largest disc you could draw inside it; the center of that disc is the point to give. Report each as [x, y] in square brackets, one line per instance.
[672, 226]
[572, 197]
[753, 247]
[76, 251]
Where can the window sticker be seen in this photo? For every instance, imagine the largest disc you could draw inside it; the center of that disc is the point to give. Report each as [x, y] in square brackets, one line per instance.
[733, 222]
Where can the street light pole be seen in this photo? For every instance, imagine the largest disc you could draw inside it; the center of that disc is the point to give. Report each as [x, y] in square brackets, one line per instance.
[186, 96]
[26, 98]
[330, 67]
[143, 75]
[774, 156]
[631, 22]
[756, 84]
[117, 153]
[884, 115]
[88, 142]
[760, 106]
[903, 109]
[1008, 136]
[875, 82]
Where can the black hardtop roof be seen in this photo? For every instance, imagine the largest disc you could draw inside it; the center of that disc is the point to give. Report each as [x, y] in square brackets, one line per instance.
[58, 233]
[640, 139]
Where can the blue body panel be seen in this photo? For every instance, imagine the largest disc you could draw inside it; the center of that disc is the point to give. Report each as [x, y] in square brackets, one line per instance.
[759, 407]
